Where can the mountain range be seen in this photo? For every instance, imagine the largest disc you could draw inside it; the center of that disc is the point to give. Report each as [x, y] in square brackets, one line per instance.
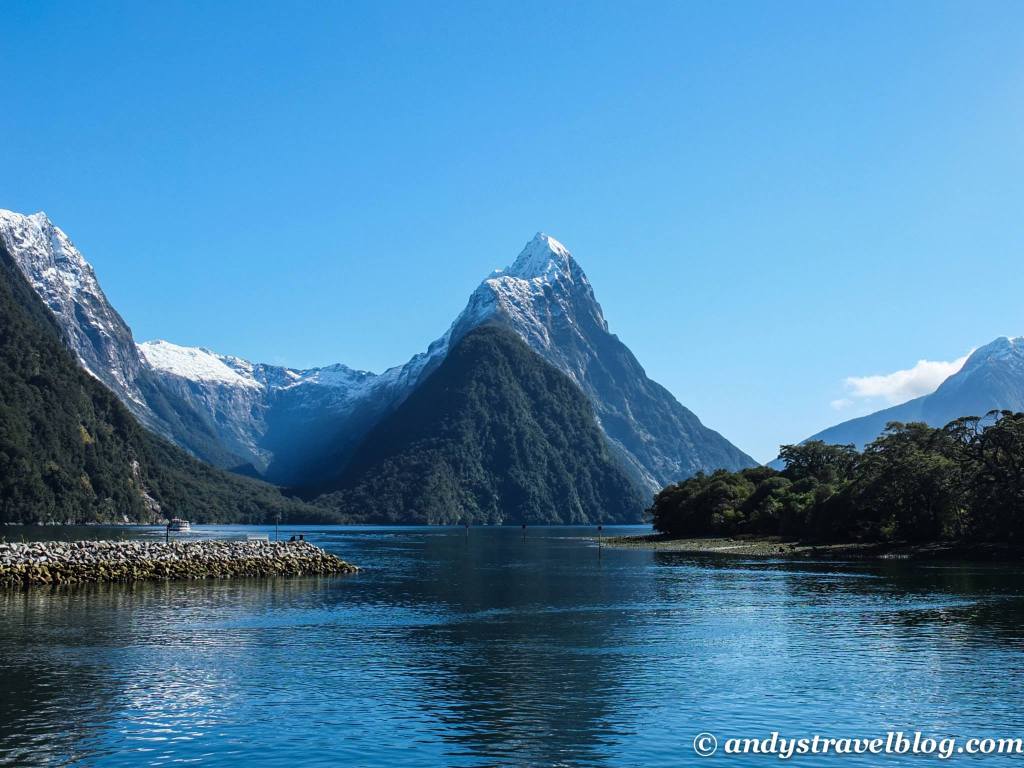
[306, 429]
[440, 438]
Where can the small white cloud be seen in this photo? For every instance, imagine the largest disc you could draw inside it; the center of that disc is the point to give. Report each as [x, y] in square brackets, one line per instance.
[841, 404]
[899, 386]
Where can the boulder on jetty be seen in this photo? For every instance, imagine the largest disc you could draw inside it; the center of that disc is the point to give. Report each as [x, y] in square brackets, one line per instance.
[78, 562]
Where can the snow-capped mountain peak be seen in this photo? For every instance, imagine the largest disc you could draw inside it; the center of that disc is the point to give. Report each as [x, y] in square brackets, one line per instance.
[543, 258]
[544, 288]
[1002, 348]
[47, 257]
[1003, 356]
[546, 299]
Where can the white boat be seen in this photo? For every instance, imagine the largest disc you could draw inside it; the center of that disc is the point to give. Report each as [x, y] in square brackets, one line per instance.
[179, 525]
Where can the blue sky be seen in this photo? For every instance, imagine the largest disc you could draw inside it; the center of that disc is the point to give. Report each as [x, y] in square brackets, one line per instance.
[769, 198]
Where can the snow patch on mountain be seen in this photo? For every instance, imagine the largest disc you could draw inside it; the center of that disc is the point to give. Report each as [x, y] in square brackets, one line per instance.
[1006, 350]
[198, 364]
[338, 376]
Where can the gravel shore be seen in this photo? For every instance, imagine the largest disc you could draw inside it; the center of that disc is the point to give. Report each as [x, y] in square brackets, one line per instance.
[775, 547]
[76, 562]
[766, 547]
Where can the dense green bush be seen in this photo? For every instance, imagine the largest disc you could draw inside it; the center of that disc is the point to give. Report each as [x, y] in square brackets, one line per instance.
[913, 483]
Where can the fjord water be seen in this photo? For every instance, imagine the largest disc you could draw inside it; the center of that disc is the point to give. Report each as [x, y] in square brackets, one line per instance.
[492, 649]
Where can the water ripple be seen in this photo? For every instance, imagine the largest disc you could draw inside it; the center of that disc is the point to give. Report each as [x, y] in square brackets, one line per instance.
[491, 650]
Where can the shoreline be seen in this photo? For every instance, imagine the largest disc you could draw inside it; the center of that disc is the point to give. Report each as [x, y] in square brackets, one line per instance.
[775, 547]
[53, 563]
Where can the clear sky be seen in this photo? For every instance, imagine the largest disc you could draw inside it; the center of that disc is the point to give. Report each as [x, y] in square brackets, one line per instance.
[769, 198]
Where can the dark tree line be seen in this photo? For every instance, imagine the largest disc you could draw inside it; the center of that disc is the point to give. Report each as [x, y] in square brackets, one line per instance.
[964, 481]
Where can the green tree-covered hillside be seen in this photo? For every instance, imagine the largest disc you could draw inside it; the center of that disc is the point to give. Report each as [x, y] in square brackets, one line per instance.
[495, 434]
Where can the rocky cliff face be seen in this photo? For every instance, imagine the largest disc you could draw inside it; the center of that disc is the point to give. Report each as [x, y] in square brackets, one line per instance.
[218, 395]
[67, 284]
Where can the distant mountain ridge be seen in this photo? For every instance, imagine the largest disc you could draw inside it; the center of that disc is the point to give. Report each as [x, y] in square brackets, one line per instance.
[302, 427]
[992, 378]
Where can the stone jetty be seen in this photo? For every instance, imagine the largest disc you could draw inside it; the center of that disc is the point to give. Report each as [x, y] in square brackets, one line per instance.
[78, 562]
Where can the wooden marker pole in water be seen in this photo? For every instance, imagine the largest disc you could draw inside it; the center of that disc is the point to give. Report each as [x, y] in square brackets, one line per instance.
[524, 531]
[600, 539]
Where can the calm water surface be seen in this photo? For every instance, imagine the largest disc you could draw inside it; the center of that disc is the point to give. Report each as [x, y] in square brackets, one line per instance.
[495, 650]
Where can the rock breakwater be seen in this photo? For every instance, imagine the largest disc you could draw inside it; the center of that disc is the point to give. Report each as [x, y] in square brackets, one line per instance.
[77, 562]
